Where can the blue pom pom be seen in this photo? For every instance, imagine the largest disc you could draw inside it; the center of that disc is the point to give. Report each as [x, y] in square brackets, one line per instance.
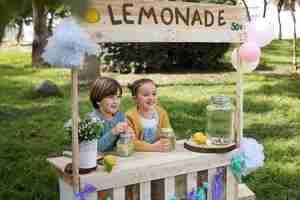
[68, 45]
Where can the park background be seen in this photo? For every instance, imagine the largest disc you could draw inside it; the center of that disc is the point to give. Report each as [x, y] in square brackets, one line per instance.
[31, 125]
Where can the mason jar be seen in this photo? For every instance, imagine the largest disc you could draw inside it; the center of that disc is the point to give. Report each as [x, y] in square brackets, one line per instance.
[220, 120]
[125, 146]
[167, 134]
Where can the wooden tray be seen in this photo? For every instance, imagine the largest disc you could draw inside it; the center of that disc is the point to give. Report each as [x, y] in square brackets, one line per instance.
[192, 146]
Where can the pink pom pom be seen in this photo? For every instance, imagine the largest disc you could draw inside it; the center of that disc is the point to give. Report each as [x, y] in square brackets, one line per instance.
[249, 52]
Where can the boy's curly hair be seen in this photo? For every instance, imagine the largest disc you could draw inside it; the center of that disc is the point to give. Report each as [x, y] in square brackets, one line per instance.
[103, 87]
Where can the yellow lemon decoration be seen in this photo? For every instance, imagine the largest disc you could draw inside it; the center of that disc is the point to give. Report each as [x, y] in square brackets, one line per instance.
[109, 162]
[92, 15]
[199, 138]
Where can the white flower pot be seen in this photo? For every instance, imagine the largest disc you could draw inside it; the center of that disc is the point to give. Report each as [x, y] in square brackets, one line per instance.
[88, 154]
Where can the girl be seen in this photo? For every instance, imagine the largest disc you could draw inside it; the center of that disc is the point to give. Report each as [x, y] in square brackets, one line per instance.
[147, 118]
[105, 97]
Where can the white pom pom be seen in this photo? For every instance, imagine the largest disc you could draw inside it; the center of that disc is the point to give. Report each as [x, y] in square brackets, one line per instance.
[68, 45]
[254, 154]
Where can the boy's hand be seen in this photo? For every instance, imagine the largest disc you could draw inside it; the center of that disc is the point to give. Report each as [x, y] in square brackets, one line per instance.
[120, 128]
[161, 146]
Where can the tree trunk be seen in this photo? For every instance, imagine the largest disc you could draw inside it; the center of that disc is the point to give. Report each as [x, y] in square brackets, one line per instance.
[265, 8]
[40, 32]
[19, 36]
[50, 23]
[90, 70]
[279, 8]
[247, 10]
[294, 38]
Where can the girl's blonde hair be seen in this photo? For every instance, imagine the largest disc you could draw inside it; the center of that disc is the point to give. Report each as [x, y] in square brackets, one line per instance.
[103, 87]
[134, 87]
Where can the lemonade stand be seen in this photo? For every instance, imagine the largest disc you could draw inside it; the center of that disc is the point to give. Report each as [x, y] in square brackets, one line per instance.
[210, 173]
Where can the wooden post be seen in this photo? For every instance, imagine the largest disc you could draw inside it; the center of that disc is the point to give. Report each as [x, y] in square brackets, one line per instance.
[239, 102]
[233, 187]
[75, 144]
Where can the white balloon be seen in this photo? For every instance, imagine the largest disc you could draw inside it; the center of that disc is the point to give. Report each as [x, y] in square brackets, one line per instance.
[243, 67]
[260, 31]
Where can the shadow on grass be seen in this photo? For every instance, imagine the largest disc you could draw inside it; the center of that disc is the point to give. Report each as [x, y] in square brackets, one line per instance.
[288, 85]
[263, 131]
[11, 71]
[260, 107]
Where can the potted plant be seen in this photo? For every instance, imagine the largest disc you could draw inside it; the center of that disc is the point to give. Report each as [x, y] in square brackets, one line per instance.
[89, 129]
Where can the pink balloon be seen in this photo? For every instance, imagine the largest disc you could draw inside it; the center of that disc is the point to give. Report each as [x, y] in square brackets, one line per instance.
[249, 52]
[260, 31]
[243, 66]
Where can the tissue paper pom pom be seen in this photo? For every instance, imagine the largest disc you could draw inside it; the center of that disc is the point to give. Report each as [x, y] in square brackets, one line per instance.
[68, 45]
[253, 153]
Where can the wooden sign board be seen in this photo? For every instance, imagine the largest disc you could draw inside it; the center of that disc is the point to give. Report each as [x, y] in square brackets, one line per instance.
[163, 21]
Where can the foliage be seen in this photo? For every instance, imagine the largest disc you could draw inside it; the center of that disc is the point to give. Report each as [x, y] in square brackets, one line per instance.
[88, 129]
[14, 11]
[154, 56]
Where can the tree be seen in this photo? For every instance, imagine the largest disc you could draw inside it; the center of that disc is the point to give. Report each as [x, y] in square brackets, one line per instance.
[42, 28]
[289, 5]
[10, 9]
[280, 3]
[14, 11]
[265, 8]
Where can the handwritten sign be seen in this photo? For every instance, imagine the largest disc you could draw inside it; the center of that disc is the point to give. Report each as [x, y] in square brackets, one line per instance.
[163, 21]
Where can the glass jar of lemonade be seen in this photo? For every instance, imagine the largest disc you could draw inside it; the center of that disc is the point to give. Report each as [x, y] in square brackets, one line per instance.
[168, 135]
[125, 146]
[220, 120]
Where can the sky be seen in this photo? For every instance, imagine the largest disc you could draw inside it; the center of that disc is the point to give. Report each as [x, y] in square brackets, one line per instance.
[256, 11]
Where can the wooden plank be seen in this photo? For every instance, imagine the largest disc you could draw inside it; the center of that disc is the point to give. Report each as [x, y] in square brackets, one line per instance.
[244, 193]
[164, 21]
[119, 193]
[169, 187]
[65, 190]
[75, 144]
[191, 181]
[231, 185]
[239, 107]
[147, 166]
[211, 178]
[145, 190]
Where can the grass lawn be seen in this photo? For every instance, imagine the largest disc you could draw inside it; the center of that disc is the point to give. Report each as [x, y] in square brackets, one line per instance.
[31, 128]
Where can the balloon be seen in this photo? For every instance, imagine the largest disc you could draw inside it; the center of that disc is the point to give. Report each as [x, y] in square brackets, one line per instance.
[244, 66]
[249, 52]
[260, 31]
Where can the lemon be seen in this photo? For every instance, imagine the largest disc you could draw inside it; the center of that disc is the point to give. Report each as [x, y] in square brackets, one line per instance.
[199, 138]
[92, 15]
[109, 162]
[110, 159]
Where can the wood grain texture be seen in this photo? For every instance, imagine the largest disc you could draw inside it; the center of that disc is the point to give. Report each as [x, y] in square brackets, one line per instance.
[147, 166]
[119, 193]
[169, 187]
[231, 185]
[191, 181]
[164, 21]
[245, 193]
[75, 121]
[145, 190]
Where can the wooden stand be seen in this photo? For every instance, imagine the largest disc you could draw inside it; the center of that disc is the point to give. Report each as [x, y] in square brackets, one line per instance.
[144, 167]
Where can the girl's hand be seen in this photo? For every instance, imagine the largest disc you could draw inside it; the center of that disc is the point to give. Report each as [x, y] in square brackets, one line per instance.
[161, 146]
[120, 128]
